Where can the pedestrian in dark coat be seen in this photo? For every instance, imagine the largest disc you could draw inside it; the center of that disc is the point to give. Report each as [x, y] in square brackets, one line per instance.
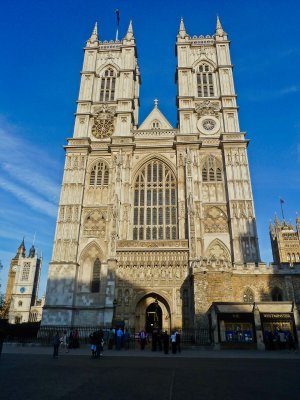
[56, 343]
[178, 341]
[166, 339]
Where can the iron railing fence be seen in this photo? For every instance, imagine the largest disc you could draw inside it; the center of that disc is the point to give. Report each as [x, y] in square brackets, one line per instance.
[189, 337]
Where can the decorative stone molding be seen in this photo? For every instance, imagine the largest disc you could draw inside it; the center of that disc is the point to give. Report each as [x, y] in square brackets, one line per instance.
[215, 219]
[207, 107]
[217, 250]
[103, 121]
[153, 244]
[95, 224]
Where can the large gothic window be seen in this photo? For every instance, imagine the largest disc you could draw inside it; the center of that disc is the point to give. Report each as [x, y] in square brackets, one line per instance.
[107, 85]
[205, 81]
[99, 175]
[95, 284]
[155, 203]
[211, 170]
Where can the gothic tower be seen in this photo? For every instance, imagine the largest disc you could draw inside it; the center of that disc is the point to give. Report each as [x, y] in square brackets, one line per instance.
[153, 220]
[92, 201]
[219, 198]
[23, 283]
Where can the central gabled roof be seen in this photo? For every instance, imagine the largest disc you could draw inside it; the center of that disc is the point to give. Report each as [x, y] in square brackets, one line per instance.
[156, 120]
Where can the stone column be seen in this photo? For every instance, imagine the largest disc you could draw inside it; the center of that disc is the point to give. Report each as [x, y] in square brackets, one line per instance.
[297, 322]
[258, 329]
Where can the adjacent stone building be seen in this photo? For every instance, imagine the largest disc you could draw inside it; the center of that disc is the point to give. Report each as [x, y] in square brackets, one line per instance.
[156, 220]
[21, 297]
[285, 241]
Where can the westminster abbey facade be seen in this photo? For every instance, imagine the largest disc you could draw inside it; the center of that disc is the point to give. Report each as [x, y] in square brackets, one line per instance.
[155, 218]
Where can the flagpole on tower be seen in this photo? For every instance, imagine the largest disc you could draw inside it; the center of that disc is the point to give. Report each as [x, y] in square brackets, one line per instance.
[118, 23]
[281, 202]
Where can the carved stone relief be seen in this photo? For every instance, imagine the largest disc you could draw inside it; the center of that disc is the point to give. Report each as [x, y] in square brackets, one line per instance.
[95, 224]
[218, 250]
[215, 219]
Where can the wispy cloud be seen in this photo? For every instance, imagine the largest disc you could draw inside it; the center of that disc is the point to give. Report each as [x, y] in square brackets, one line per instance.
[27, 197]
[28, 172]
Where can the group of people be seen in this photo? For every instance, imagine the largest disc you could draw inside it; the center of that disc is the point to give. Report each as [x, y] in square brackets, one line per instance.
[161, 341]
[97, 343]
[65, 341]
[118, 338]
[279, 340]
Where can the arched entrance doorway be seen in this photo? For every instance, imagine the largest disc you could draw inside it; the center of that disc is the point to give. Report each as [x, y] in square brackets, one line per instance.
[149, 308]
[153, 317]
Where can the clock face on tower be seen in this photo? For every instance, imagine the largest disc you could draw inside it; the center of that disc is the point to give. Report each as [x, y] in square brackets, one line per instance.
[22, 290]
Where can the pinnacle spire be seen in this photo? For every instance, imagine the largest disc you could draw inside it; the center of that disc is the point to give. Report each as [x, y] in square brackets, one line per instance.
[94, 35]
[129, 34]
[219, 25]
[182, 32]
[219, 28]
[21, 249]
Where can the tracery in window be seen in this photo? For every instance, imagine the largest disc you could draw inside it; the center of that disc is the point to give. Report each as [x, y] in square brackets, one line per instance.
[107, 85]
[99, 175]
[205, 81]
[211, 170]
[248, 296]
[95, 285]
[155, 203]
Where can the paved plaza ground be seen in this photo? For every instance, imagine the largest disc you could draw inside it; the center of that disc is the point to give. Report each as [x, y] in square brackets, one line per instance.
[32, 373]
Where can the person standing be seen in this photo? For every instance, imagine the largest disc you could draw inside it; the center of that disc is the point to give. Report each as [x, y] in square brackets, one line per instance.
[99, 343]
[126, 339]
[119, 338]
[64, 341]
[56, 343]
[166, 340]
[178, 341]
[111, 339]
[143, 338]
[173, 342]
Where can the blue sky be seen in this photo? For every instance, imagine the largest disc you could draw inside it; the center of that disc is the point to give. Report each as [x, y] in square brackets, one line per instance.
[41, 59]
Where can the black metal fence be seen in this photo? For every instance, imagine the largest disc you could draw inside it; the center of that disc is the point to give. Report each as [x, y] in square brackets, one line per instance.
[45, 334]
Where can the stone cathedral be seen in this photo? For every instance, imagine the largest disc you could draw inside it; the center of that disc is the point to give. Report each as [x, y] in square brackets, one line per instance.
[155, 219]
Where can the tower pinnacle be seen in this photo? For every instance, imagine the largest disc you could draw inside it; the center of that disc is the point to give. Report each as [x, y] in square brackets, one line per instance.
[129, 34]
[94, 35]
[219, 29]
[182, 32]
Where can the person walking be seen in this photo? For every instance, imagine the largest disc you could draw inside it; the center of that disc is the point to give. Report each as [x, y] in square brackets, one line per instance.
[56, 343]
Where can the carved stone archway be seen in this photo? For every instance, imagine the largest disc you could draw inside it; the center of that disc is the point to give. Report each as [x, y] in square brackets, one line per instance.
[141, 310]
